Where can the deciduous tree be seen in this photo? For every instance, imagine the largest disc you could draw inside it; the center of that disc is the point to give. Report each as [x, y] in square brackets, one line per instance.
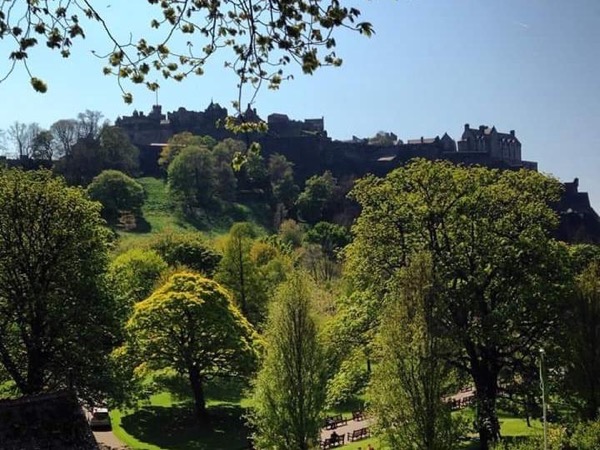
[488, 232]
[289, 391]
[56, 317]
[191, 325]
[412, 377]
[117, 192]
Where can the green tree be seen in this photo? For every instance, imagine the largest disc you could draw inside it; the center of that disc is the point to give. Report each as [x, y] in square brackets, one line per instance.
[412, 377]
[316, 197]
[180, 141]
[190, 249]
[117, 192]
[192, 177]
[240, 274]
[191, 325]
[289, 391]
[501, 275]
[133, 276]
[331, 237]
[56, 318]
[581, 351]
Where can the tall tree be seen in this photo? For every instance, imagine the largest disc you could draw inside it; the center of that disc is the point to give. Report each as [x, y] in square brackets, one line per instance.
[192, 178]
[581, 349]
[488, 232]
[240, 274]
[191, 325]
[22, 136]
[289, 391]
[411, 379]
[43, 146]
[89, 124]
[56, 318]
[65, 134]
[180, 141]
[316, 197]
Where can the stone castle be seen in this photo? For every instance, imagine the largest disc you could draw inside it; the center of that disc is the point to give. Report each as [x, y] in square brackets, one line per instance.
[312, 151]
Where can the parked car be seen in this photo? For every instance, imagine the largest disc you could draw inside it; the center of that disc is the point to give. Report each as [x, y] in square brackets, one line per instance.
[100, 419]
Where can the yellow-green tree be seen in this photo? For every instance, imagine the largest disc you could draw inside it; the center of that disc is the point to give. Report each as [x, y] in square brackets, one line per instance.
[191, 325]
[289, 391]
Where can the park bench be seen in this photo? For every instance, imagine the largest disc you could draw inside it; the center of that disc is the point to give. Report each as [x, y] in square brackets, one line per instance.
[332, 422]
[331, 443]
[357, 435]
[358, 415]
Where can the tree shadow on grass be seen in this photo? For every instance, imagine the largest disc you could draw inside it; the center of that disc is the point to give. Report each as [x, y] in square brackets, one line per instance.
[176, 428]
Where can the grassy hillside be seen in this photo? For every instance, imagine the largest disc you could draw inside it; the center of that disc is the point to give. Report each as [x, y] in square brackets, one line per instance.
[159, 213]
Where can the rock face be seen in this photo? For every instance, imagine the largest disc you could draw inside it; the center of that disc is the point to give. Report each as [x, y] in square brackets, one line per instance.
[45, 422]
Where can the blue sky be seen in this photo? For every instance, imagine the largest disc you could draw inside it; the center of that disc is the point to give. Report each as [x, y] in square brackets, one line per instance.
[432, 66]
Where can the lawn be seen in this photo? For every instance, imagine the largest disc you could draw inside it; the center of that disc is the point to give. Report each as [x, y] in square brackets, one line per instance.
[166, 424]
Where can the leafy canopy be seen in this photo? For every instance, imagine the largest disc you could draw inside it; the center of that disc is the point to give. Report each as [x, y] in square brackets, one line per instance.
[56, 317]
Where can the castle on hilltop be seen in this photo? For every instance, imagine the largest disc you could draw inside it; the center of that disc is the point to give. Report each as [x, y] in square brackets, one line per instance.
[307, 144]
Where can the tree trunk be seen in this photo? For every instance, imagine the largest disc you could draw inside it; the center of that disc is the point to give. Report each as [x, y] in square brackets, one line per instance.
[198, 390]
[486, 420]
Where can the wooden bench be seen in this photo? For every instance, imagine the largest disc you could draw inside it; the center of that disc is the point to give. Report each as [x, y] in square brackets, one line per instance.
[357, 435]
[331, 443]
[358, 415]
[333, 422]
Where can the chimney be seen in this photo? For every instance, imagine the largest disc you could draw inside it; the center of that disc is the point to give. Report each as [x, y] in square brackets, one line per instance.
[421, 139]
[466, 127]
[512, 133]
[482, 127]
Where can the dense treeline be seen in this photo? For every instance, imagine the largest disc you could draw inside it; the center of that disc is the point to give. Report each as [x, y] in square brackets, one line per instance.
[449, 277]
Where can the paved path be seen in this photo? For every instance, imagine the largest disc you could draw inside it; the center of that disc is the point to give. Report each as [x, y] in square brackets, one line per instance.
[349, 428]
[109, 440]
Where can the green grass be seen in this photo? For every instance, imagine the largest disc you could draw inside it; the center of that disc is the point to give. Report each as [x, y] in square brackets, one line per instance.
[160, 214]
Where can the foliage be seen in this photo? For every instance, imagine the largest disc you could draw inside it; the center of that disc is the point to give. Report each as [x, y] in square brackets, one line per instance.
[192, 178]
[316, 197]
[56, 319]
[191, 325]
[586, 436]
[501, 276]
[411, 379]
[240, 274]
[281, 173]
[291, 233]
[581, 348]
[117, 192]
[108, 148]
[133, 276]
[264, 38]
[289, 391]
[331, 237]
[180, 141]
[190, 249]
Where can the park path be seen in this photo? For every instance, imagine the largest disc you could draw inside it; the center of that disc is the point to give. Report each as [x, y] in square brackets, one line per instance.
[108, 441]
[349, 428]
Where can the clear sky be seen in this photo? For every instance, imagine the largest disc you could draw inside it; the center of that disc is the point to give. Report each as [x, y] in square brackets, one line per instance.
[432, 66]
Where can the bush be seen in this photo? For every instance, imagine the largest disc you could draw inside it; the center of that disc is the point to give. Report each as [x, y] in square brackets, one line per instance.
[189, 249]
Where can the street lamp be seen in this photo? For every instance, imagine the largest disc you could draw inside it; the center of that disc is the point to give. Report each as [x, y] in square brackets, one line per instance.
[543, 386]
